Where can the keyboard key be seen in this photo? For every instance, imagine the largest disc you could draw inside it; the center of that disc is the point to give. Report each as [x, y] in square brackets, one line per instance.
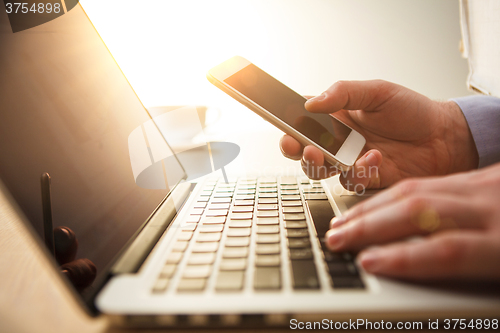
[209, 237]
[191, 285]
[337, 256]
[295, 224]
[214, 220]
[200, 205]
[161, 285]
[299, 243]
[294, 217]
[211, 228]
[298, 209]
[304, 181]
[196, 271]
[268, 229]
[244, 202]
[267, 221]
[268, 238]
[201, 258]
[237, 241]
[239, 232]
[289, 187]
[304, 275]
[221, 200]
[242, 209]
[267, 190]
[267, 180]
[267, 213]
[289, 192]
[244, 197]
[241, 216]
[268, 195]
[180, 246]
[203, 199]
[268, 249]
[267, 278]
[268, 200]
[223, 195]
[244, 187]
[291, 180]
[268, 260]
[235, 252]
[321, 213]
[315, 197]
[229, 281]
[168, 271]
[225, 190]
[267, 207]
[185, 236]
[290, 197]
[219, 206]
[174, 257]
[342, 269]
[217, 212]
[301, 254]
[239, 264]
[193, 219]
[205, 193]
[196, 211]
[313, 191]
[297, 233]
[189, 227]
[347, 283]
[245, 192]
[240, 223]
[205, 247]
[291, 203]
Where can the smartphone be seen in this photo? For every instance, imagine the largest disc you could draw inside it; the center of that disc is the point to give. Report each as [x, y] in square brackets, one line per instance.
[284, 108]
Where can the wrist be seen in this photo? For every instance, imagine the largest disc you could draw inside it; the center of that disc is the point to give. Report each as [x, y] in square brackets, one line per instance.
[459, 141]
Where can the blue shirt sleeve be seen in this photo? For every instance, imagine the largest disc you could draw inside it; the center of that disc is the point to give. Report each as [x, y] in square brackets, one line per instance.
[483, 116]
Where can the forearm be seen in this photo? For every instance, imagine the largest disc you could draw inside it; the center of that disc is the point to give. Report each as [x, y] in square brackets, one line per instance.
[482, 114]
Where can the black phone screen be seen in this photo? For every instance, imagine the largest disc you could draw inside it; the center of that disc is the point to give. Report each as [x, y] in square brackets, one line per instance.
[287, 105]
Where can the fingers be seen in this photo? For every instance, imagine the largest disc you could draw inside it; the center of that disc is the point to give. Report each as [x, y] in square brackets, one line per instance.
[458, 254]
[413, 215]
[65, 245]
[353, 95]
[80, 272]
[403, 189]
[314, 164]
[364, 174]
[291, 148]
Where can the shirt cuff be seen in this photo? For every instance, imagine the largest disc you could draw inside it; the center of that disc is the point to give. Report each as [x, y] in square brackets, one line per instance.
[483, 116]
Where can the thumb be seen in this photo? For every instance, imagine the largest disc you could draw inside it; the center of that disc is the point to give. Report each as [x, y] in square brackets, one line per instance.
[353, 95]
[364, 174]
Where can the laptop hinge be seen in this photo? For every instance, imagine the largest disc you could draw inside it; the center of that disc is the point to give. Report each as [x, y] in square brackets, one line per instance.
[135, 254]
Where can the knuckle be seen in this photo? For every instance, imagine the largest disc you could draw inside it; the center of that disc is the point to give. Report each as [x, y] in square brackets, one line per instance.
[450, 252]
[407, 187]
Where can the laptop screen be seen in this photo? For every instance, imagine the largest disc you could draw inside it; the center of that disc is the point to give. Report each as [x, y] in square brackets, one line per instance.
[67, 109]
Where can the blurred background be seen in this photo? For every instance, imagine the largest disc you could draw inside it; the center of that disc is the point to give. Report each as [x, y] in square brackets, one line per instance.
[165, 48]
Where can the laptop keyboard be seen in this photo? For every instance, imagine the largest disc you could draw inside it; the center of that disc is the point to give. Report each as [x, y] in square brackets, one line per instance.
[248, 224]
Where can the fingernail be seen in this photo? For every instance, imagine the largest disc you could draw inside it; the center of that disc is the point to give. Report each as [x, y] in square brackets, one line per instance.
[371, 159]
[335, 239]
[318, 98]
[370, 261]
[337, 221]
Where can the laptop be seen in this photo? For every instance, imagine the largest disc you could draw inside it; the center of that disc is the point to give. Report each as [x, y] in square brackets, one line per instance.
[170, 247]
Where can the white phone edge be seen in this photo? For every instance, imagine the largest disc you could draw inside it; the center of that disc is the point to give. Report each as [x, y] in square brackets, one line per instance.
[346, 155]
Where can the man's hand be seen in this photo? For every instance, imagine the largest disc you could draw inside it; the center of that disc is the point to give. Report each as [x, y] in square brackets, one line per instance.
[407, 134]
[458, 214]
